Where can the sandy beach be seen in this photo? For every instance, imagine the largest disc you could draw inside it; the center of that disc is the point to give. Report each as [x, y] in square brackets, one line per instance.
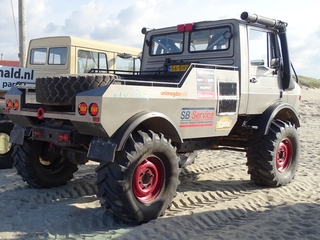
[216, 200]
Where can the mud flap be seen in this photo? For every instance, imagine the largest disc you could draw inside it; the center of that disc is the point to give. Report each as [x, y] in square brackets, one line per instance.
[101, 149]
[18, 133]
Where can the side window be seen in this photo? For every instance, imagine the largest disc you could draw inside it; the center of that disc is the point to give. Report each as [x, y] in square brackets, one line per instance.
[274, 51]
[87, 60]
[103, 61]
[38, 56]
[262, 48]
[137, 64]
[127, 64]
[57, 56]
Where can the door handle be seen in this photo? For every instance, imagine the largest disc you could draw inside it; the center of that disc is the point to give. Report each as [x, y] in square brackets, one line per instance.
[253, 80]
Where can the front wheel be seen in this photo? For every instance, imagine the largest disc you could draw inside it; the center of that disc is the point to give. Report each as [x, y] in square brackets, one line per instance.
[273, 159]
[142, 181]
[40, 165]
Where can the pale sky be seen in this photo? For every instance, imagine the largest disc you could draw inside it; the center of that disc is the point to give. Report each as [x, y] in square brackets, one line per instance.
[121, 21]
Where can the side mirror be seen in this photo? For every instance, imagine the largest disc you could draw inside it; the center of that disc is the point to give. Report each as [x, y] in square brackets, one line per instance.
[275, 63]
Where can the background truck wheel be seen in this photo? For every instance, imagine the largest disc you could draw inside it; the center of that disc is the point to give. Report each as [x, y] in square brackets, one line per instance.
[142, 181]
[41, 166]
[6, 161]
[273, 160]
[61, 90]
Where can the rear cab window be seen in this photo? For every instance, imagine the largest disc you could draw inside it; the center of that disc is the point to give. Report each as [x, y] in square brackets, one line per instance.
[202, 40]
[207, 40]
[175, 48]
[167, 44]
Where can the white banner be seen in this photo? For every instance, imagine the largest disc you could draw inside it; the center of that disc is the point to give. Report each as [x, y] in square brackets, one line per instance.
[10, 76]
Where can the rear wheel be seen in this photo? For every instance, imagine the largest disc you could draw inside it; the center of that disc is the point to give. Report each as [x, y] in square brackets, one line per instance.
[273, 159]
[40, 165]
[142, 181]
[6, 149]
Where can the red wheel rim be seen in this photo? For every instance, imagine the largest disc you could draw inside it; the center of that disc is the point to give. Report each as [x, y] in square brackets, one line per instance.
[148, 179]
[284, 155]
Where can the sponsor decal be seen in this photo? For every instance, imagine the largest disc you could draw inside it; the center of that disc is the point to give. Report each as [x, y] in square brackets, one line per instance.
[206, 95]
[10, 76]
[224, 123]
[204, 87]
[205, 72]
[174, 94]
[205, 80]
[143, 95]
[206, 84]
[137, 94]
[196, 117]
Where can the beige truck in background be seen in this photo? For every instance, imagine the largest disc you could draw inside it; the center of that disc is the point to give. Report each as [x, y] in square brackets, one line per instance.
[60, 55]
[72, 55]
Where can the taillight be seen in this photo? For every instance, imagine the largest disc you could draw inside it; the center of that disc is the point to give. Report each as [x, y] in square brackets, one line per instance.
[93, 109]
[15, 104]
[38, 133]
[9, 104]
[63, 137]
[82, 108]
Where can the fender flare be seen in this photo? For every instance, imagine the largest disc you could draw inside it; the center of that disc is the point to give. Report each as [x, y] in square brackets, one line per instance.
[278, 110]
[154, 121]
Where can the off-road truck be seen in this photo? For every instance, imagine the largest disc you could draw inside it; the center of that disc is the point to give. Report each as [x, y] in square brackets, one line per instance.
[223, 84]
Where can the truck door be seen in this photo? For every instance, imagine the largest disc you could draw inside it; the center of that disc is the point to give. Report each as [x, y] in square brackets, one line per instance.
[264, 83]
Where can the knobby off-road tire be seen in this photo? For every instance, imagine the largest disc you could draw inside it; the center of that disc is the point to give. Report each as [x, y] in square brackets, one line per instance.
[6, 149]
[273, 159]
[142, 181]
[61, 90]
[32, 163]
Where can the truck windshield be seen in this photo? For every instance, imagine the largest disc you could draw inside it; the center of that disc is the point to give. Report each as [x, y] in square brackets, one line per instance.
[38, 56]
[56, 56]
[166, 44]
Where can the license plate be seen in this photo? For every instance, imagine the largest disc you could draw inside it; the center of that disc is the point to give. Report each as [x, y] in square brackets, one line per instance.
[178, 68]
